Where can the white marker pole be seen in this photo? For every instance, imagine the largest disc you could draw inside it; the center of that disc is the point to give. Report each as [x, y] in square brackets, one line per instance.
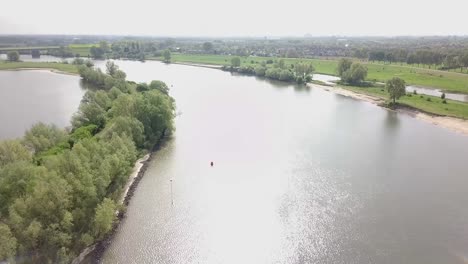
[172, 199]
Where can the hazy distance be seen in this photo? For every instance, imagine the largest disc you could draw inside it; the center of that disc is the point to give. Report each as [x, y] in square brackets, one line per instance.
[235, 18]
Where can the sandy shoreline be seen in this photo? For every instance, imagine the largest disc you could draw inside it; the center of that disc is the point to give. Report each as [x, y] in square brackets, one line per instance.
[131, 179]
[452, 123]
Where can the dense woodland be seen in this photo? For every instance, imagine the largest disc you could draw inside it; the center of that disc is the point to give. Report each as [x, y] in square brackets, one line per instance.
[59, 189]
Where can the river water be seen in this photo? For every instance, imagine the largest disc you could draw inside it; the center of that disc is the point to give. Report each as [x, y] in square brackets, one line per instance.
[300, 175]
[28, 97]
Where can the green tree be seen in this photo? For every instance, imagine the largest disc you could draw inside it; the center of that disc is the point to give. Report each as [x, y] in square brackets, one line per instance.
[396, 88]
[111, 68]
[343, 66]
[12, 151]
[167, 56]
[42, 137]
[7, 242]
[97, 52]
[281, 64]
[235, 62]
[124, 125]
[303, 70]
[104, 46]
[207, 46]
[13, 56]
[160, 86]
[357, 74]
[104, 217]
[89, 113]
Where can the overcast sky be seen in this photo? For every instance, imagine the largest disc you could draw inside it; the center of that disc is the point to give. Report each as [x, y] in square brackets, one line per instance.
[235, 17]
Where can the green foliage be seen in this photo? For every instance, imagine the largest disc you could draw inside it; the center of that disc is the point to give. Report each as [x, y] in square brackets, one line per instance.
[7, 242]
[97, 52]
[160, 86]
[42, 137]
[78, 61]
[63, 198]
[246, 69]
[167, 55]
[13, 56]
[104, 218]
[260, 71]
[207, 46]
[126, 126]
[286, 76]
[343, 66]
[83, 132]
[235, 62]
[13, 151]
[396, 88]
[89, 113]
[303, 71]
[351, 73]
[111, 68]
[142, 87]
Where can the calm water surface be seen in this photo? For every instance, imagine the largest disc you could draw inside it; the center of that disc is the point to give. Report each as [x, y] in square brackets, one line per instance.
[42, 58]
[300, 176]
[28, 97]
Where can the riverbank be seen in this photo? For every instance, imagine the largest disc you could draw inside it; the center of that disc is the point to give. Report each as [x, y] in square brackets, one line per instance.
[446, 81]
[94, 253]
[454, 124]
[52, 66]
[133, 179]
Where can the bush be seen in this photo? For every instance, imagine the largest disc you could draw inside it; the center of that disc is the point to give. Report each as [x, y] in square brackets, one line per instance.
[78, 61]
[442, 96]
[415, 92]
[247, 69]
[444, 101]
[286, 76]
[429, 99]
[260, 71]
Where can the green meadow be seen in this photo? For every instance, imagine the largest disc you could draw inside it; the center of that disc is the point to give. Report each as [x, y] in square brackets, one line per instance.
[68, 68]
[82, 49]
[444, 80]
[434, 106]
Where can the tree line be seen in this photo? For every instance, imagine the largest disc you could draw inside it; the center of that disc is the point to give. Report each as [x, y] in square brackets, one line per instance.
[299, 72]
[59, 189]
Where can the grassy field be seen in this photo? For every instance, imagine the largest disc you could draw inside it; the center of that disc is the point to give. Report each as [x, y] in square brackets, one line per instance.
[69, 68]
[447, 81]
[435, 106]
[82, 49]
[29, 48]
